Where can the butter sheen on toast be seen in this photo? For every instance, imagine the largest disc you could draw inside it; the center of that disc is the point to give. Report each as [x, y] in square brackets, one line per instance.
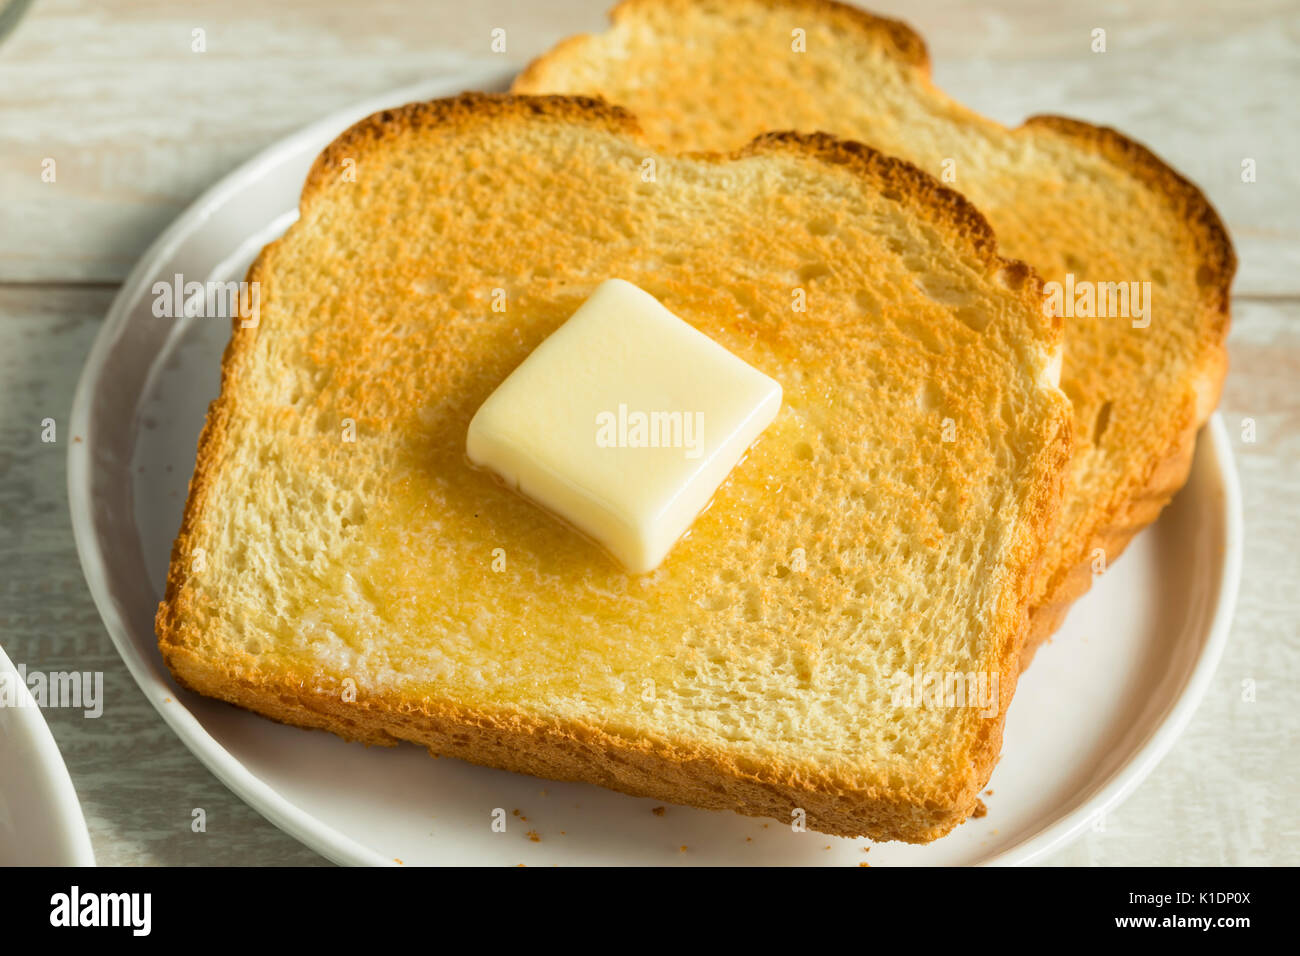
[888, 522]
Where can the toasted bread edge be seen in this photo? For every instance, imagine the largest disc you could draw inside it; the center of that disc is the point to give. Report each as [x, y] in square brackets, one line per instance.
[1117, 521]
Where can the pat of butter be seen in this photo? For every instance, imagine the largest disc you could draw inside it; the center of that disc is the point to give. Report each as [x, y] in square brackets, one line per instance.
[624, 422]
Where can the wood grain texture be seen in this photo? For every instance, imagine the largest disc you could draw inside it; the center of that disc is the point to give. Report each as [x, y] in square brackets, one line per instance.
[139, 125]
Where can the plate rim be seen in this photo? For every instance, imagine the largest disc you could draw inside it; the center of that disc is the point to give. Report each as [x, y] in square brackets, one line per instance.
[1138, 767]
[337, 846]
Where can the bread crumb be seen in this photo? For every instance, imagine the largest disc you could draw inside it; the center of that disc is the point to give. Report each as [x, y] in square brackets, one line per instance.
[980, 810]
[516, 813]
[682, 849]
[864, 864]
[988, 793]
[749, 839]
[658, 811]
[533, 835]
[398, 861]
[866, 849]
[826, 847]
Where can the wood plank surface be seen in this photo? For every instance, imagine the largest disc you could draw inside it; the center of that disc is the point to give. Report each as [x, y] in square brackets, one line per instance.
[139, 124]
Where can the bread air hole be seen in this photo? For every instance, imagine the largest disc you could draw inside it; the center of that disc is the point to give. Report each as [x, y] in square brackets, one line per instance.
[1103, 419]
[1013, 276]
[928, 397]
[974, 318]
[813, 270]
[821, 227]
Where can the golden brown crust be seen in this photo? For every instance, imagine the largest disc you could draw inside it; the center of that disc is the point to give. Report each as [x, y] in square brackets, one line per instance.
[570, 750]
[573, 751]
[1218, 258]
[169, 620]
[1125, 518]
[456, 111]
[905, 43]
[945, 206]
[1043, 512]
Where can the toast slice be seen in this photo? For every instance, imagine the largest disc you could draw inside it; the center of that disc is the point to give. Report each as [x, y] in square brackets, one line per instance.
[1083, 205]
[342, 566]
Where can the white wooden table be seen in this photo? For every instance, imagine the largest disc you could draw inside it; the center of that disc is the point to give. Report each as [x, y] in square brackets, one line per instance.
[138, 124]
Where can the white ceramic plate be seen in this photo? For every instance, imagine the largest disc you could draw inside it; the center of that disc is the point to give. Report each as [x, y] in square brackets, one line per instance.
[1094, 714]
[40, 818]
